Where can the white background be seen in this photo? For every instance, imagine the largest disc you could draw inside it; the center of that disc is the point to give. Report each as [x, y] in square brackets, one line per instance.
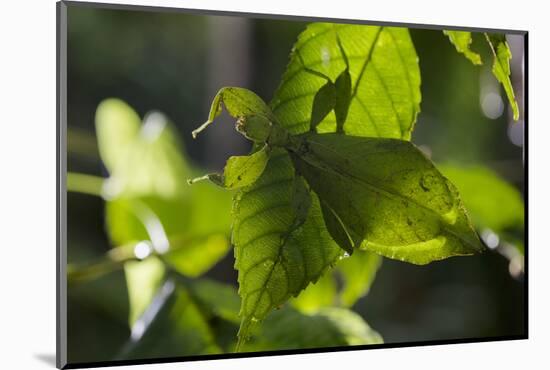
[27, 182]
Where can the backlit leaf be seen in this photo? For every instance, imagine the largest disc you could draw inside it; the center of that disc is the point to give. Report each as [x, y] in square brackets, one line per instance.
[358, 272]
[343, 285]
[322, 293]
[384, 74]
[496, 207]
[117, 125]
[462, 40]
[162, 171]
[193, 257]
[501, 67]
[491, 201]
[328, 327]
[149, 202]
[221, 299]
[281, 244]
[144, 278]
[173, 325]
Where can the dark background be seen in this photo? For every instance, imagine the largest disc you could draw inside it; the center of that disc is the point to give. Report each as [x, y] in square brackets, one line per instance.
[175, 63]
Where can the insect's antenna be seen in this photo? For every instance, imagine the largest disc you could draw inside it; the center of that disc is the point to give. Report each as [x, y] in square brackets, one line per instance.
[309, 70]
[339, 42]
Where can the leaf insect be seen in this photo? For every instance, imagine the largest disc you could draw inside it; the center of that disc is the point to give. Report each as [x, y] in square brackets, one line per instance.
[376, 194]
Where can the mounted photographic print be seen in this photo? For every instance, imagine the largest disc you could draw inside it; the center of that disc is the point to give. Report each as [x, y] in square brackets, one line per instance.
[236, 185]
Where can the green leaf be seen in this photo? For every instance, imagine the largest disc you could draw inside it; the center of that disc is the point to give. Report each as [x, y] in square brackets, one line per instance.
[383, 72]
[358, 272]
[151, 164]
[149, 198]
[320, 294]
[501, 67]
[149, 202]
[491, 201]
[193, 257]
[221, 299]
[117, 125]
[210, 209]
[172, 326]
[281, 244]
[143, 279]
[496, 207]
[329, 327]
[462, 40]
[387, 194]
[355, 275]
[350, 280]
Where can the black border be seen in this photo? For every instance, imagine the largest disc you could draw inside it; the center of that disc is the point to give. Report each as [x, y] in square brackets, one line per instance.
[61, 188]
[223, 356]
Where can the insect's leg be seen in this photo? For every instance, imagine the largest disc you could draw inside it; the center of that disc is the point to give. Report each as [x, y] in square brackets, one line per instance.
[343, 90]
[239, 103]
[309, 70]
[325, 97]
[342, 51]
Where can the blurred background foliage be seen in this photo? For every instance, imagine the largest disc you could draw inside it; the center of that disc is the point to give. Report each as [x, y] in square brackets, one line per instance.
[133, 202]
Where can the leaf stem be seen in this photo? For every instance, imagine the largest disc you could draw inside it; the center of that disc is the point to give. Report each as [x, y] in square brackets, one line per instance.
[112, 261]
[115, 259]
[85, 184]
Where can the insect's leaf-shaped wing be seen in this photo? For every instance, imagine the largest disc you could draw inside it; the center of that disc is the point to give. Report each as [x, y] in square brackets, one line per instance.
[338, 230]
[390, 194]
[384, 74]
[281, 244]
[462, 40]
